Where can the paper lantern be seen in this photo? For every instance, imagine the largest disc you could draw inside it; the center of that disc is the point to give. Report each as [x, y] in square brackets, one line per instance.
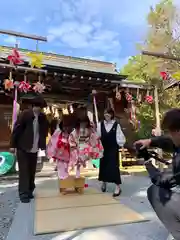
[15, 58]
[39, 87]
[8, 84]
[36, 60]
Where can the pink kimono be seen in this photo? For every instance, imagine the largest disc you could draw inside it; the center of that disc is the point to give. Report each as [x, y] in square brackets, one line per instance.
[59, 149]
[84, 146]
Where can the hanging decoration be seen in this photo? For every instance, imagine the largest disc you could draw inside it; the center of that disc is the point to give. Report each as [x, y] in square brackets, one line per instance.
[176, 76]
[133, 118]
[65, 111]
[39, 87]
[164, 75]
[56, 114]
[71, 109]
[47, 110]
[36, 60]
[24, 87]
[15, 104]
[129, 97]
[111, 103]
[15, 58]
[149, 99]
[94, 92]
[8, 84]
[139, 99]
[118, 94]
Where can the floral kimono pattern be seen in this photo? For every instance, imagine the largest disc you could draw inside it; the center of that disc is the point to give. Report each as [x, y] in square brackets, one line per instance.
[58, 147]
[52, 144]
[85, 145]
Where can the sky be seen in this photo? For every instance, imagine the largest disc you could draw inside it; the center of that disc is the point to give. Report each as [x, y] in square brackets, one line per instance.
[106, 30]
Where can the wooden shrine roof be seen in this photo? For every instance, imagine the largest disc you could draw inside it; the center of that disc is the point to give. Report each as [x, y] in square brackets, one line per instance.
[171, 83]
[56, 60]
[132, 84]
[69, 78]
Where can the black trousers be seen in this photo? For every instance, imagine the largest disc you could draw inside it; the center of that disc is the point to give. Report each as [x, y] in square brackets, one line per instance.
[166, 204]
[27, 169]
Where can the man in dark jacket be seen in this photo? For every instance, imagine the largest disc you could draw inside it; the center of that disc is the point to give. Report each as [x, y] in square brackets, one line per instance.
[28, 136]
[164, 193]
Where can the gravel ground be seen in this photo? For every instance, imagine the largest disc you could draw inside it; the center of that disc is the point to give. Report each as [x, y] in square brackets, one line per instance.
[8, 203]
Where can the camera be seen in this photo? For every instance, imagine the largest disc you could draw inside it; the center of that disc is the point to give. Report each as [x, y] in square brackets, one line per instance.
[142, 153]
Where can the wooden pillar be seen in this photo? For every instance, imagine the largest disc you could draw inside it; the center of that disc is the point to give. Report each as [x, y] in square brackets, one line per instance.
[157, 111]
[158, 123]
[137, 93]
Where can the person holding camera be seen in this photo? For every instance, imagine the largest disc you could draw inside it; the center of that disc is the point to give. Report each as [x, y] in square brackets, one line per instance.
[164, 193]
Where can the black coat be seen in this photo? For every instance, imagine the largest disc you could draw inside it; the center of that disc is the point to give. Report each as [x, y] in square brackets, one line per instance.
[156, 176]
[22, 135]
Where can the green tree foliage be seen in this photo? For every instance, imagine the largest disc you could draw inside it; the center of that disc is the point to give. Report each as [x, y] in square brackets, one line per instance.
[146, 118]
[163, 37]
[134, 69]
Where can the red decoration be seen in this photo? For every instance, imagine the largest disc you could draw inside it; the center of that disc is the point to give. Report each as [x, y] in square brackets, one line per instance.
[86, 185]
[129, 97]
[24, 86]
[164, 75]
[8, 84]
[62, 145]
[15, 58]
[39, 87]
[149, 99]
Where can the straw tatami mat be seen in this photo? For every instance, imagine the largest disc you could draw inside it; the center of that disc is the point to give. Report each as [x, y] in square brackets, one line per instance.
[69, 219]
[58, 213]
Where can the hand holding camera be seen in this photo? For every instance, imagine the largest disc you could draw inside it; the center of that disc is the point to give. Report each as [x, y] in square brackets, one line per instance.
[142, 152]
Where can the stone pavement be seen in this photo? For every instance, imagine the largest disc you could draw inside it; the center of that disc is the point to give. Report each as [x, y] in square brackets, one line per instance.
[8, 203]
[133, 195]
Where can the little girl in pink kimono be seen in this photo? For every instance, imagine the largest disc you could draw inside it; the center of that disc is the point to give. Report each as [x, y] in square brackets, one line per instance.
[59, 149]
[84, 145]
